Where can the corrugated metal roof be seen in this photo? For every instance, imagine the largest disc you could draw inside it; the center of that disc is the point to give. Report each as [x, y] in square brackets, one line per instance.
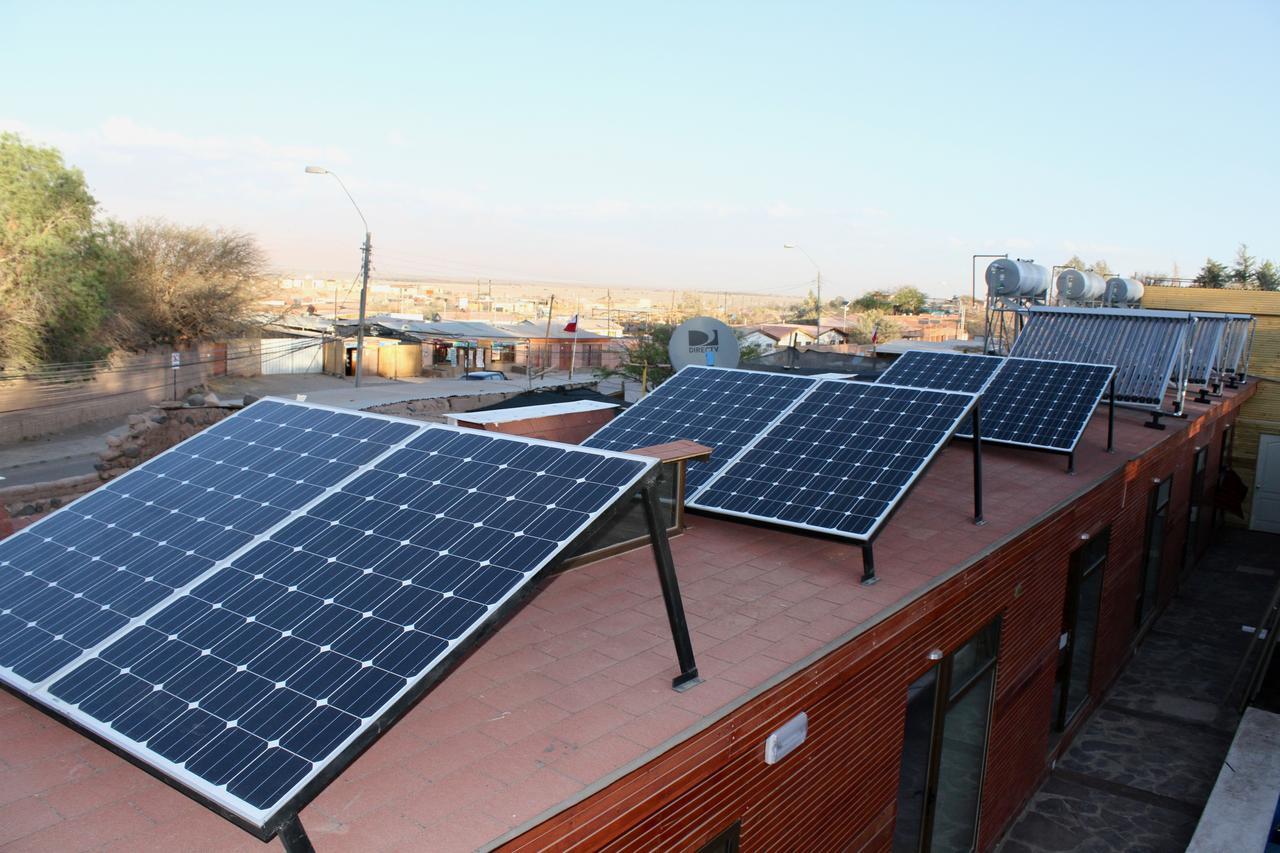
[529, 329]
[448, 328]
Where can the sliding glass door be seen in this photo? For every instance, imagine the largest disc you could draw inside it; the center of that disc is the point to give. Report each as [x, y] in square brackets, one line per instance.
[944, 749]
[1079, 629]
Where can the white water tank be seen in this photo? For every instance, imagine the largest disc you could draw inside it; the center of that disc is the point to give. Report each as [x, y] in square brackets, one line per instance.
[1080, 285]
[1007, 277]
[1123, 290]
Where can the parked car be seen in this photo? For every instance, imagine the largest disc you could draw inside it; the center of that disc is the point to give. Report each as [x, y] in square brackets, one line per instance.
[481, 375]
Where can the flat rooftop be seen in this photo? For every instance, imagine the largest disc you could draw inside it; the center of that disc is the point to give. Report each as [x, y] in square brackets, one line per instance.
[575, 691]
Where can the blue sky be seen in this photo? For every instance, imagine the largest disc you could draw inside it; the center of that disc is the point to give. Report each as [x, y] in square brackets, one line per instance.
[673, 145]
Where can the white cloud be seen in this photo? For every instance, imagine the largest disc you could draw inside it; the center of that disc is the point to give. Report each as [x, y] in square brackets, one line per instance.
[782, 210]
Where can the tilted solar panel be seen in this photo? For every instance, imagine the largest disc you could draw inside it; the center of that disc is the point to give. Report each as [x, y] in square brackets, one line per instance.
[1206, 347]
[1041, 404]
[944, 371]
[373, 549]
[1148, 348]
[722, 408]
[1235, 349]
[841, 460]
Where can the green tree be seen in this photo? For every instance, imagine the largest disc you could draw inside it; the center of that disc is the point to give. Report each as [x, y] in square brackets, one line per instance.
[1101, 268]
[1267, 276]
[646, 357]
[1245, 270]
[1075, 262]
[873, 300]
[805, 311]
[908, 300]
[1212, 274]
[52, 296]
[877, 322]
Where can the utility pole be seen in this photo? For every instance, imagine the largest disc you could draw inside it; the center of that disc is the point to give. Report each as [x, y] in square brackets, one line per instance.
[551, 307]
[364, 294]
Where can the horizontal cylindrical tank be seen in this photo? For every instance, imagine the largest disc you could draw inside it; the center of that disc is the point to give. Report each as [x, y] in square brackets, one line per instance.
[1123, 290]
[1007, 277]
[1081, 285]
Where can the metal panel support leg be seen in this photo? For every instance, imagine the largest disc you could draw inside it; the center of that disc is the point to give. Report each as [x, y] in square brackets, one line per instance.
[868, 564]
[977, 465]
[293, 838]
[1071, 462]
[1154, 423]
[670, 592]
[1111, 416]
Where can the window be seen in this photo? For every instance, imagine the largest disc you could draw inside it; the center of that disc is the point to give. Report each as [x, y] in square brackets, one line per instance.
[1194, 501]
[1224, 468]
[1079, 629]
[944, 749]
[725, 842]
[1153, 553]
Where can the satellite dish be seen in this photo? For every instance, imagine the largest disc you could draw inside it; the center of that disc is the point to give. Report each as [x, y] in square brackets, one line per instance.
[705, 341]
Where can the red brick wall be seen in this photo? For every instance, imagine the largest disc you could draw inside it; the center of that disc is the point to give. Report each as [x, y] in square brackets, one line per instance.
[839, 790]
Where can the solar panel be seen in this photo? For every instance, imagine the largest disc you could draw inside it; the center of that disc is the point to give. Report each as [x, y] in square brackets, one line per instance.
[722, 408]
[1147, 347]
[944, 371]
[1041, 404]
[272, 655]
[840, 461]
[1205, 357]
[1235, 350]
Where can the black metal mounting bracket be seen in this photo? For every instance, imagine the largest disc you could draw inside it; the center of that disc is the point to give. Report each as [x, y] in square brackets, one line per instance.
[1111, 416]
[1154, 423]
[670, 591]
[1071, 463]
[1203, 395]
[977, 464]
[868, 564]
[293, 838]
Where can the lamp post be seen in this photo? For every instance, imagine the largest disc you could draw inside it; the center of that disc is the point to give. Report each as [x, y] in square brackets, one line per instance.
[364, 270]
[818, 310]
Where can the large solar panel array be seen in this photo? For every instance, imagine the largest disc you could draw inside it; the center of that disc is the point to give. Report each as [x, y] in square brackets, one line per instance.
[723, 408]
[242, 612]
[840, 460]
[943, 371]
[1148, 348]
[1041, 404]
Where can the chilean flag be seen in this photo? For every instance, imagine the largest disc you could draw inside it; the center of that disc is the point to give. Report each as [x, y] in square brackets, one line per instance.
[572, 325]
[875, 334]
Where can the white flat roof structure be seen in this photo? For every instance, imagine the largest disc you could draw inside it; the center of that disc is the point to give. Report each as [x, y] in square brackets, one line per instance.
[523, 413]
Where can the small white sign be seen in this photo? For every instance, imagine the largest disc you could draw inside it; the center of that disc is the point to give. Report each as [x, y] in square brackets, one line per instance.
[785, 740]
[175, 360]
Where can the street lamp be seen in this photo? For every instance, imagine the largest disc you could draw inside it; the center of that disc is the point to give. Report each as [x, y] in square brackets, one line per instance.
[818, 312]
[364, 269]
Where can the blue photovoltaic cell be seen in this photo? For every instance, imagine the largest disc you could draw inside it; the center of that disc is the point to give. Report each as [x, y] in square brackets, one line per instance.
[255, 665]
[841, 459]
[944, 371]
[75, 578]
[721, 408]
[1042, 404]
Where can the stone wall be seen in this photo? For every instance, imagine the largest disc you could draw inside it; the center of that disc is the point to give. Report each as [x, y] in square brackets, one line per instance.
[156, 430]
[435, 408]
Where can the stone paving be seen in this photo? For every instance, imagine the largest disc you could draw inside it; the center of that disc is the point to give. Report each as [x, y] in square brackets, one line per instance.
[1138, 775]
